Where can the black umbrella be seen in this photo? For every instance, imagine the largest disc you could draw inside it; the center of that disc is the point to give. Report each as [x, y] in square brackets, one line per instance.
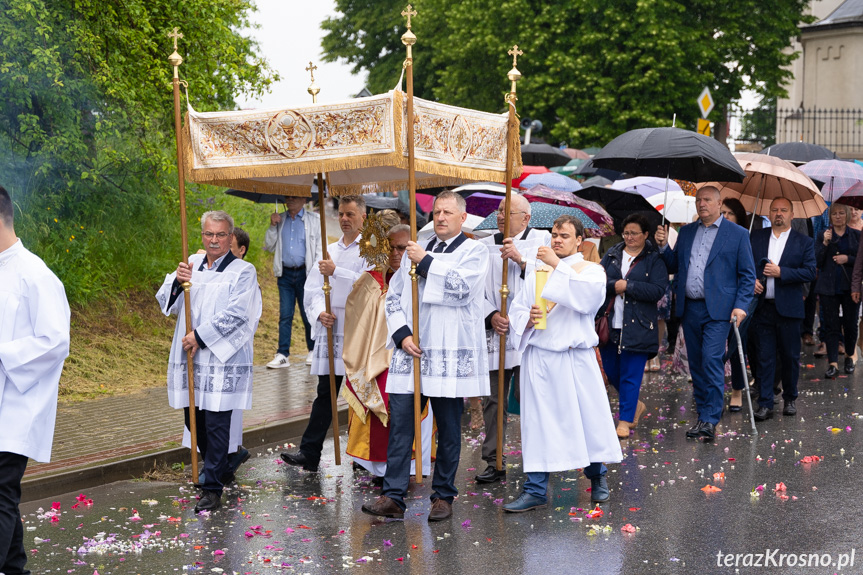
[377, 202]
[257, 197]
[543, 155]
[799, 152]
[620, 204]
[589, 170]
[670, 153]
[597, 181]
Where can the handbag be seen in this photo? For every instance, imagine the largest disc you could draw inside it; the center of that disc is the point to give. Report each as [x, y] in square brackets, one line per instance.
[601, 324]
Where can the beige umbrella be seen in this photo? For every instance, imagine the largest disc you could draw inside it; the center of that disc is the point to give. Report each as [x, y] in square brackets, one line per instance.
[767, 178]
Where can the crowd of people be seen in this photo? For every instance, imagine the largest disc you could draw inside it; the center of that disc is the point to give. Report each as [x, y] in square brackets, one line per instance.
[571, 326]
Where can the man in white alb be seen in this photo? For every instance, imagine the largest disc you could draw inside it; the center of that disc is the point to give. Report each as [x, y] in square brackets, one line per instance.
[226, 307]
[452, 353]
[34, 343]
[343, 268]
[566, 421]
[520, 249]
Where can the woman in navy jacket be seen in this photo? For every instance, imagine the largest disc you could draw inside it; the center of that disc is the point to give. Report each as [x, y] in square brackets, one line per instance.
[636, 280]
[835, 253]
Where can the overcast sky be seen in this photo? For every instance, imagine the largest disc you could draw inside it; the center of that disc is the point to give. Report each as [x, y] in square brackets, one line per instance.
[290, 36]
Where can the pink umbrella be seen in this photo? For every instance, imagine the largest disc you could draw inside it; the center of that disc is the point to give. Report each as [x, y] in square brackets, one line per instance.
[577, 154]
[592, 210]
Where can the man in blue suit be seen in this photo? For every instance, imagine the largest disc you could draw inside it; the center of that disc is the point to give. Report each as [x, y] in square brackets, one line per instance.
[786, 262]
[715, 284]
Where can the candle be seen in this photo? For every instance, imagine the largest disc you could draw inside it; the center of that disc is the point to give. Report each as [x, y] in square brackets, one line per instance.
[541, 278]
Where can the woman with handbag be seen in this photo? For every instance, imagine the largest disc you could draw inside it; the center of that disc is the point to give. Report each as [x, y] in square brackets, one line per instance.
[835, 253]
[636, 280]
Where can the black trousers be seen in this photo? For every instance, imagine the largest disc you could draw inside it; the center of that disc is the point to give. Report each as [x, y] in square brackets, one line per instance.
[319, 420]
[214, 431]
[777, 335]
[836, 326]
[13, 557]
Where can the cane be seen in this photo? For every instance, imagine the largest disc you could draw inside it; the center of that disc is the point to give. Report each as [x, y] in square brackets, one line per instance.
[743, 367]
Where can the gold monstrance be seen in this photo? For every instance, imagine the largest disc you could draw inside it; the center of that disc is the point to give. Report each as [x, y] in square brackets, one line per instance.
[375, 244]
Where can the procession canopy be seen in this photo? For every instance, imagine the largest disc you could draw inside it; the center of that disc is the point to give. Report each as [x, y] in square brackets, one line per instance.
[361, 144]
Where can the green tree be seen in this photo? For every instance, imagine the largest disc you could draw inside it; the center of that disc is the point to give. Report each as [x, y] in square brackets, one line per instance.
[86, 127]
[591, 70]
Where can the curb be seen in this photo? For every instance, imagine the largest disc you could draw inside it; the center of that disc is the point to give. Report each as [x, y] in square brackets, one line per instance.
[50, 485]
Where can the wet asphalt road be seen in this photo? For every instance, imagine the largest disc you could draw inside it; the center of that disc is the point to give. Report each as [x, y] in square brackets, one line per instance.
[281, 519]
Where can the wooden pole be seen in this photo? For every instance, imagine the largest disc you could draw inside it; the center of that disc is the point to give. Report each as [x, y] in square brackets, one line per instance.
[409, 39]
[175, 59]
[327, 288]
[511, 140]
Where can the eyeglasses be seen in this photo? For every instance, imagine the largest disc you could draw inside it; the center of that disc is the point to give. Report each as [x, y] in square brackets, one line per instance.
[632, 234]
[500, 213]
[210, 235]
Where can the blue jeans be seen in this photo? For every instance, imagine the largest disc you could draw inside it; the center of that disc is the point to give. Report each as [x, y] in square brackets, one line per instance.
[447, 413]
[537, 481]
[625, 370]
[290, 292]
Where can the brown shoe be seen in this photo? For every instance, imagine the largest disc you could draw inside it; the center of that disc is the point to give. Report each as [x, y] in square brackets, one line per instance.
[383, 506]
[640, 408]
[440, 510]
[807, 339]
[821, 351]
[623, 429]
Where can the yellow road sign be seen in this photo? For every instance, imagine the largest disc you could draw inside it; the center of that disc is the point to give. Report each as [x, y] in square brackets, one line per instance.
[703, 127]
[705, 103]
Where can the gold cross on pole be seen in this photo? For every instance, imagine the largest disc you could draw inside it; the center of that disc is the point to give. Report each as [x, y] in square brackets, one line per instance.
[311, 69]
[176, 35]
[408, 12]
[515, 53]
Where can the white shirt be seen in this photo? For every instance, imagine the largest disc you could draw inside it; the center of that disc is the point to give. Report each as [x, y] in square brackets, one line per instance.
[774, 254]
[625, 264]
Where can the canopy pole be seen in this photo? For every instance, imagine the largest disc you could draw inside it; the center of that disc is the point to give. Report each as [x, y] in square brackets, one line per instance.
[175, 60]
[313, 89]
[409, 39]
[512, 136]
[667, 174]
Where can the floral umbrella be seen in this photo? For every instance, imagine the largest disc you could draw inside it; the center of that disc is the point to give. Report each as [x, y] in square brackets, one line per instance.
[543, 216]
[593, 210]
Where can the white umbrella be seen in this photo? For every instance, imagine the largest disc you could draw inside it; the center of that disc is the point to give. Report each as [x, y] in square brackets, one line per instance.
[680, 208]
[484, 187]
[645, 186]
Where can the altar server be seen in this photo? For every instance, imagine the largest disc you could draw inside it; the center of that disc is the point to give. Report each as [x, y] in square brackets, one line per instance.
[520, 249]
[34, 342]
[566, 421]
[344, 267]
[452, 352]
[226, 308]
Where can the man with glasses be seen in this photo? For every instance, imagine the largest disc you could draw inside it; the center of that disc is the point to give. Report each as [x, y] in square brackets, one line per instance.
[225, 309]
[519, 248]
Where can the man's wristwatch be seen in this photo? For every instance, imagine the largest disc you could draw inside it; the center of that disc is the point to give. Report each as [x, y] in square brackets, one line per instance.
[522, 262]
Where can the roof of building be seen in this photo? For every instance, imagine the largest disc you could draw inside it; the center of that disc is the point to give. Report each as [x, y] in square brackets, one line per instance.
[849, 13]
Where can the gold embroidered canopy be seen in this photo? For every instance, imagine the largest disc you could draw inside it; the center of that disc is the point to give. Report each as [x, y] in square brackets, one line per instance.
[360, 144]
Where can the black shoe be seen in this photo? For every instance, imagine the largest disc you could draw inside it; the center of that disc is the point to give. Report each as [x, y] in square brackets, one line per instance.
[708, 431]
[831, 372]
[790, 408]
[209, 501]
[490, 475]
[849, 365]
[299, 458]
[763, 414]
[695, 430]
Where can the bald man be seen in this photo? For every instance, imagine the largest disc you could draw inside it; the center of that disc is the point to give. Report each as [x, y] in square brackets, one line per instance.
[713, 262]
[785, 263]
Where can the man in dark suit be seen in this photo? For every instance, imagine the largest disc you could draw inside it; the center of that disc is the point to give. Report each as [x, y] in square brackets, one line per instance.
[786, 262]
[713, 263]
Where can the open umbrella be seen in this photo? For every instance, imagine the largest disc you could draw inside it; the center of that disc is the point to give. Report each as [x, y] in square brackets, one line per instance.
[542, 217]
[677, 209]
[257, 197]
[526, 171]
[769, 177]
[576, 154]
[592, 210]
[589, 169]
[570, 168]
[670, 153]
[645, 185]
[853, 196]
[838, 176]
[550, 180]
[543, 155]
[591, 150]
[620, 204]
[485, 187]
[482, 204]
[799, 152]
